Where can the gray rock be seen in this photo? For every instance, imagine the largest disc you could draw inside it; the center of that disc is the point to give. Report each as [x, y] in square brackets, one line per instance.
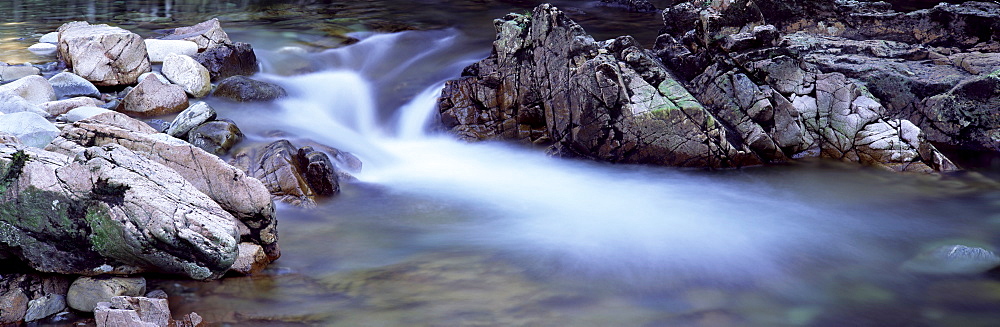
[32, 129]
[45, 306]
[207, 34]
[966, 115]
[11, 103]
[188, 73]
[34, 88]
[158, 294]
[953, 260]
[14, 72]
[56, 108]
[80, 113]
[128, 311]
[68, 85]
[226, 60]
[102, 54]
[159, 49]
[15, 307]
[244, 89]
[159, 125]
[86, 292]
[285, 171]
[197, 114]
[215, 136]
[43, 48]
[252, 259]
[50, 37]
[158, 76]
[153, 98]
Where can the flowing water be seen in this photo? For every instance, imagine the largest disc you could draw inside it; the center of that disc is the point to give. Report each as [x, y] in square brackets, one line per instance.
[437, 232]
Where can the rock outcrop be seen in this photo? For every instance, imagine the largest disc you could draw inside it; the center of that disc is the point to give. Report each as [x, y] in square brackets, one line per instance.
[102, 54]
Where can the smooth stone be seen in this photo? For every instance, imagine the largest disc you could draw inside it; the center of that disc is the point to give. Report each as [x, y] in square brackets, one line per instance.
[102, 54]
[59, 107]
[154, 74]
[244, 89]
[68, 85]
[32, 129]
[206, 34]
[45, 306]
[34, 88]
[81, 113]
[953, 260]
[50, 37]
[43, 48]
[86, 292]
[11, 73]
[11, 103]
[153, 98]
[215, 136]
[159, 49]
[188, 73]
[251, 259]
[196, 114]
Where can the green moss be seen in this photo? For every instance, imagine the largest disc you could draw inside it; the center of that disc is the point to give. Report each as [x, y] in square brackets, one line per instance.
[105, 233]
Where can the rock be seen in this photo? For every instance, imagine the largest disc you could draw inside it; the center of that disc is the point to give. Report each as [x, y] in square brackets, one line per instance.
[158, 294]
[215, 136]
[244, 89]
[132, 311]
[159, 49]
[86, 292]
[11, 103]
[252, 259]
[153, 98]
[184, 71]
[43, 48]
[50, 37]
[632, 5]
[547, 82]
[159, 125]
[34, 88]
[952, 260]
[68, 85]
[81, 113]
[966, 115]
[190, 320]
[102, 54]
[32, 129]
[242, 196]
[56, 108]
[15, 307]
[158, 76]
[294, 176]
[11, 73]
[207, 34]
[197, 114]
[226, 60]
[45, 306]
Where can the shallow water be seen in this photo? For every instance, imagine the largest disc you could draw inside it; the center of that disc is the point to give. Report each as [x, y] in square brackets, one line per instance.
[436, 232]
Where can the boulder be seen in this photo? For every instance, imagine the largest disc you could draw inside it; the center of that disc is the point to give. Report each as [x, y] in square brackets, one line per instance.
[86, 292]
[244, 89]
[80, 113]
[158, 76]
[159, 49]
[34, 88]
[226, 60]
[215, 137]
[197, 114]
[32, 129]
[110, 210]
[45, 306]
[68, 85]
[129, 311]
[207, 34]
[13, 72]
[188, 73]
[102, 54]
[30, 297]
[153, 98]
[966, 115]
[56, 108]
[252, 259]
[11, 103]
[294, 176]
[242, 196]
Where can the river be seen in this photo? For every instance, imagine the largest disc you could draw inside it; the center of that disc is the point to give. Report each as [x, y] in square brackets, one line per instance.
[438, 232]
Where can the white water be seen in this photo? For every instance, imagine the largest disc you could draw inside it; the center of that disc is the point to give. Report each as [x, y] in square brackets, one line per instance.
[626, 223]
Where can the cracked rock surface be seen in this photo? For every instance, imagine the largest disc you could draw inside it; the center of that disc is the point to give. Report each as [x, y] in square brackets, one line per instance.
[103, 54]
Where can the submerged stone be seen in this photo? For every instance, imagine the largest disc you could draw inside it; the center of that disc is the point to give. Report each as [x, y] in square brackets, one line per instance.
[953, 260]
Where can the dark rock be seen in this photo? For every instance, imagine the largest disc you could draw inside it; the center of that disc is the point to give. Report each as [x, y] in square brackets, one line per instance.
[632, 5]
[195, 115]
[244, 89]
[207, 34]
[318, 171]
[216, 136]
[966, 115]
[159, 125]
[68, 85]
[227, 60]
[295, 176]
[953, 260]
[30, 297]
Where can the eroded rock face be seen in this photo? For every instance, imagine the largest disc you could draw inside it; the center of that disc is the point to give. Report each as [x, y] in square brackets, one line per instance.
[548, 82]
[295, 176]
[102, 54]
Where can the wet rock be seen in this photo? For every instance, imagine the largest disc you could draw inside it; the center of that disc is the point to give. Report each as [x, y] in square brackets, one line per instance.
[11, 103]
[153, 98]
[29, 297]
[966, 115]
[132, 311]
[632, 5]
[15, 307]
[86, 292]
[290, 177]
[68, 85]
[215, 136]
[56, 108]
[157, 294]
[252, 259]
[33, 88]
[188, 73]
[242, 196]
[108, 209]
[81, 113]
[45, 306]
[244, 89]
[159, 49]
[159, 125]
[227, 60]
[14, 72]
[953, 260]
[207, 34]
[102, 54]
[33, 130]
[197, 114]
[319, 171]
